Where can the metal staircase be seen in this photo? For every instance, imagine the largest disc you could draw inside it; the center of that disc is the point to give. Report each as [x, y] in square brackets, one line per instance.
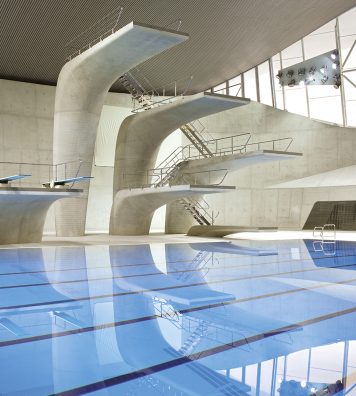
[204, 215]
[200, 264]
[136, 90]
[139, 94]
[194, 338]
[197, 139]
[202, 146]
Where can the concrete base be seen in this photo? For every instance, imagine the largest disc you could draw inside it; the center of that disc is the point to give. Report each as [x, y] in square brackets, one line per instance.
[133, 209]
[222, 230]
[23, 212]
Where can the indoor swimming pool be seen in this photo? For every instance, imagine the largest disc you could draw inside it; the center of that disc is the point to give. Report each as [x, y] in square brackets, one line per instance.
[216, 318]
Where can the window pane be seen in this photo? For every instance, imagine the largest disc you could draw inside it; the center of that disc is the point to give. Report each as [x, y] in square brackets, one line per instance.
[326, 109]
[265, 84]
[235, 86]
[346, 45]
[316, 44]
[220, 89]
[296, 100]
[347, 23]
[276, 65]
[250, 84]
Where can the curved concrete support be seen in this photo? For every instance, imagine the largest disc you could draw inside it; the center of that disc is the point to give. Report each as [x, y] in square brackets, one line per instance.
[230, 163]
[139, 354]
[133, 209]
[141, 135]
[24, 210]
[81, 90]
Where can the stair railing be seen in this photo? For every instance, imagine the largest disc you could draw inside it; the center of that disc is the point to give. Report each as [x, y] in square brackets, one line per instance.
[203, 177]
[165, 94]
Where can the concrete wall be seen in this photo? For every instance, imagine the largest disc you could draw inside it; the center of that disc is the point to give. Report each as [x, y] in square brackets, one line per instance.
[26, 135]
[325, 147]
[26, 128]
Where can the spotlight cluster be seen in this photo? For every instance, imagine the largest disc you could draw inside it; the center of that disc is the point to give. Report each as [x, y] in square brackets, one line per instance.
[321, 70]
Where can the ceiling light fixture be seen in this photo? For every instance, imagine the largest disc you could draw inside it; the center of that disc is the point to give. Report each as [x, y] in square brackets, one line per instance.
[334, 54]
[337, 81]
[323, 69]
[335, 65]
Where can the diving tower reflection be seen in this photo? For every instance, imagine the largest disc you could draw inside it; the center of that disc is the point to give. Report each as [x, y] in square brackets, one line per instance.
[116, 320]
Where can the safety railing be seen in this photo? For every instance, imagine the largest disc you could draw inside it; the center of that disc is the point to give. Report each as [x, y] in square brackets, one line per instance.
[218, 147]
[213, 177]
[108, 25]
[200, 210]
[162, 95]
[43, 173]
[282, 144]
[153, 178]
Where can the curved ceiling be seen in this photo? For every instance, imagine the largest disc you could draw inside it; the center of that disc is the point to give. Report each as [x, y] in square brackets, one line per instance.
[226, 36]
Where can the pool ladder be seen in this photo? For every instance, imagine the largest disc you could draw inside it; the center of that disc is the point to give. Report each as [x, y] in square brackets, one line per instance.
[327, 241]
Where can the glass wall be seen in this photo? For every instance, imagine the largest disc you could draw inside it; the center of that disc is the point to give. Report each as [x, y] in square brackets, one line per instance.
[321, 102]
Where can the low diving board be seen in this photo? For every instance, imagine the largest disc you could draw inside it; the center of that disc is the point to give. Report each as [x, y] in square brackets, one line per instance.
[63, 182]
[7, 179]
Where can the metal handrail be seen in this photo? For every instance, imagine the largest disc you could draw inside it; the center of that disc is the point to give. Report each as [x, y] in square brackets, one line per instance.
[273, 141]
[201, 210]
[197, 174]
[97, 39]
[155, 93]
[154, 177]
[190, 152]
[63, 170]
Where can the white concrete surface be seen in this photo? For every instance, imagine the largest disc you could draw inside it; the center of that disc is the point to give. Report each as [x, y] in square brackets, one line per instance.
[81, 90]
[23, 212]
[341, 177]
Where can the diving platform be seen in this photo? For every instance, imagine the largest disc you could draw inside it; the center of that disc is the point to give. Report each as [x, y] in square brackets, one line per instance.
[23, 212]
[133, 209]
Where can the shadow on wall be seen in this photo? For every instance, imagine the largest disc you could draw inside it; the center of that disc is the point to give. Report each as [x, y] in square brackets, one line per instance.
[340, 213]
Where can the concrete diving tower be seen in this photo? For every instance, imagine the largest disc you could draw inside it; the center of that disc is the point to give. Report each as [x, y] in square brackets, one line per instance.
[81, 90]
[138, 143]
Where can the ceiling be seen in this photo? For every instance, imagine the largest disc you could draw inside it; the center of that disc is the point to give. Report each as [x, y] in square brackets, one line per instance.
[226, 36]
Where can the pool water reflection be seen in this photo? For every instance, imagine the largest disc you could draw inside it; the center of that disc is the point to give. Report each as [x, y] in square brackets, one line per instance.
[253, 318]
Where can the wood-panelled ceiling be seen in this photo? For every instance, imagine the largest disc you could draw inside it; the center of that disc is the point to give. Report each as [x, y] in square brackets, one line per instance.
[226, 36]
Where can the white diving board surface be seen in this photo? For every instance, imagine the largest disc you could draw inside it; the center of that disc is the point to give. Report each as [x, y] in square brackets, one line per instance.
[63, 182]
[7, 179]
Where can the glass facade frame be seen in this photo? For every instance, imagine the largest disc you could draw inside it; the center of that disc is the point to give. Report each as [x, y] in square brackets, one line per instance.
[323, 103]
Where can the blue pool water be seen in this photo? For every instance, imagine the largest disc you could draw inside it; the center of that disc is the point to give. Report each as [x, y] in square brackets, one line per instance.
[248, 318]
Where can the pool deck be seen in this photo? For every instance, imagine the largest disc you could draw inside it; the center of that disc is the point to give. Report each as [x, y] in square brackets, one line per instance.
[105, 239]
